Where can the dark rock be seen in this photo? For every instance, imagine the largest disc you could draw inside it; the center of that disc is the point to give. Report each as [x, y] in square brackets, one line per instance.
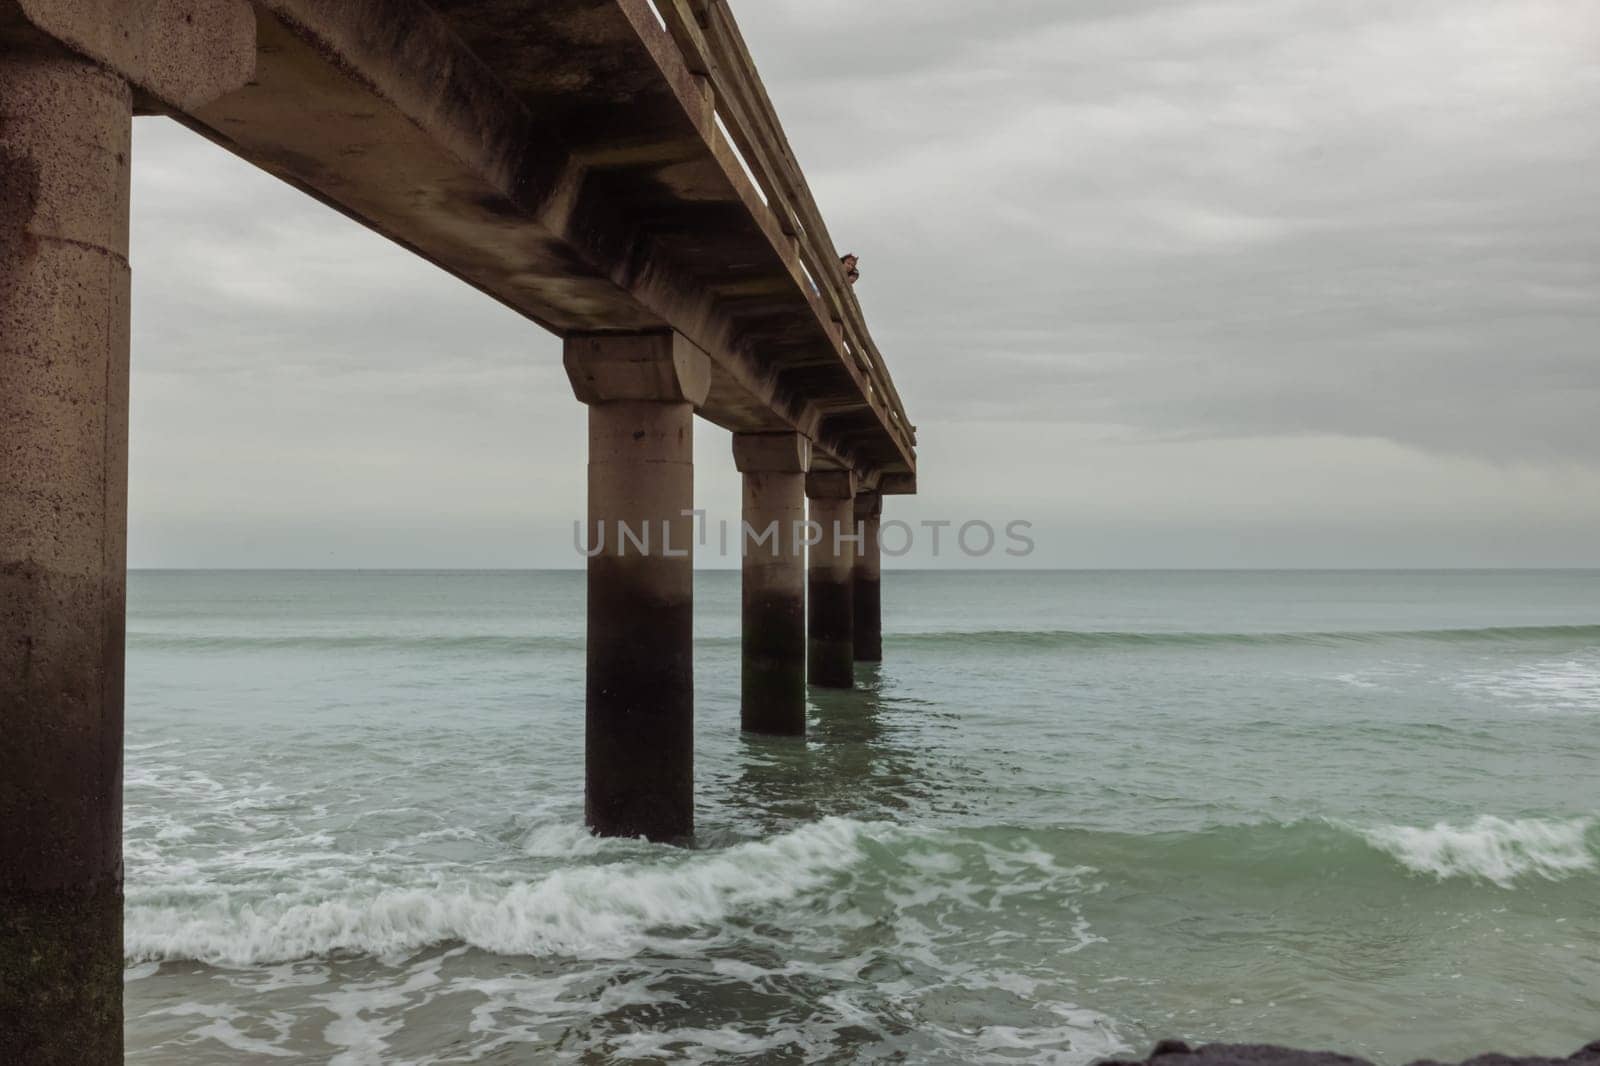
[1270, 1055]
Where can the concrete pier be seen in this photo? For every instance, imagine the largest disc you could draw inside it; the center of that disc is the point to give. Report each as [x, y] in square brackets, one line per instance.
[867, 592]
[686, 278]
[65, 129]
[831, 573]
[772, 690]
[639, 728]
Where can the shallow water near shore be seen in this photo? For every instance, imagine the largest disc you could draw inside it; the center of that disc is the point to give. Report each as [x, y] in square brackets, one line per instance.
[1070, 814]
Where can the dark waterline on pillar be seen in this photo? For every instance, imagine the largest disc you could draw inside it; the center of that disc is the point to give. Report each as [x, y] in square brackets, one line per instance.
[868, 597]
[639, 683]
[830, 581]
[772, 689]
[639, 717]
[65, 133]
[773, 676]
[831, 649]
[868, 637]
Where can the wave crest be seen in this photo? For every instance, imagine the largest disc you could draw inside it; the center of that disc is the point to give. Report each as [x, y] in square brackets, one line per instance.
[583, 912]
[1491, 849]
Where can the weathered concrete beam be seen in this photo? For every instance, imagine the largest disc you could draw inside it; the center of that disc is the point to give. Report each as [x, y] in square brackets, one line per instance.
[65, 133]
[569, 167]
[898, 484]
[648, 367]
[182, 53]
[831, 570]
[639, 692]
[772, 690]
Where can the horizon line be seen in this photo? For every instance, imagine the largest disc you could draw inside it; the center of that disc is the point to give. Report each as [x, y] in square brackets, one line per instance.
[887, 569]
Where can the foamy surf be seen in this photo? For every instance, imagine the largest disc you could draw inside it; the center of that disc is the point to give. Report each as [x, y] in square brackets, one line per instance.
[1491, 849]
[1107, 834]
[585, 912]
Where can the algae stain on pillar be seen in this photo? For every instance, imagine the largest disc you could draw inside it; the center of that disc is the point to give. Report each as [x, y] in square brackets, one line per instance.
[831, 570]
[64, 283]
[772, 690]
[642, 390]
[866, 590]
[70, 73]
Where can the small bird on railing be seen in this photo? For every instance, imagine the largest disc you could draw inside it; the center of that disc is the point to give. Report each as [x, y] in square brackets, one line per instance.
[850, 272]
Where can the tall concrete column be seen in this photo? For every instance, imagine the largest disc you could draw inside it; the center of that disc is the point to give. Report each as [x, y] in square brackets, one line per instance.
[65, 128]
[831, 648]
[772, 690]
[641, 390]
[866, 594]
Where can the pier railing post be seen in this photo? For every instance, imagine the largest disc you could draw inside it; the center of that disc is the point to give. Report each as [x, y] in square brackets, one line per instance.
[867, 592]
[65, 133]
[831, 573]
[642, 390]
[772, 690]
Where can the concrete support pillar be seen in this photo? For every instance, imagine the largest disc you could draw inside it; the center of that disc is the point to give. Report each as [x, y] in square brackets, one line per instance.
[639, 727]
[772, 691]
[65, 128]
[868, 598]
[831, 648]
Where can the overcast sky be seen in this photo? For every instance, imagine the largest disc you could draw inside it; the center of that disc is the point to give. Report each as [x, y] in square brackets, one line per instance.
[1184, 283]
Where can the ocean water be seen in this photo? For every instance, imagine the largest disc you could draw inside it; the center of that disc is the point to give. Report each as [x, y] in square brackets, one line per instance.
[1072, 813]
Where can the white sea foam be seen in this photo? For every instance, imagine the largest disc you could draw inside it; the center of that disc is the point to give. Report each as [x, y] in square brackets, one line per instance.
[565, 840]
[224, 1026]
[583, 911]
[1568, 686]
[1491, 849]
[367, 1013]
[140, 972]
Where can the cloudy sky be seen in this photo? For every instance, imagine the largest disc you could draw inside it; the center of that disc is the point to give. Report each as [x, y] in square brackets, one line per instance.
[1182, 282]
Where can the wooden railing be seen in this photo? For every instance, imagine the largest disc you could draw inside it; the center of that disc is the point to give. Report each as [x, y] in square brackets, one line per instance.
[713, 48]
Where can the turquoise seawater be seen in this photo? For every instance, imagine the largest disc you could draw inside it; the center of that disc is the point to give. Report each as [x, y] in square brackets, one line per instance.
[1071, 813]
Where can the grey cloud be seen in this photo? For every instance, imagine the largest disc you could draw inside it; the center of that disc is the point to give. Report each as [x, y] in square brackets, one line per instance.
[1137, 266]
[1220, 219]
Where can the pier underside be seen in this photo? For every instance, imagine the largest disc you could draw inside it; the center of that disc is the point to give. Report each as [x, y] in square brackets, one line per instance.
[612, 171]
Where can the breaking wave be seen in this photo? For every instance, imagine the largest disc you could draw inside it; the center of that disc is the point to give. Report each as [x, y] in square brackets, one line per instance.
[1492, 849]
[593, 911]
[597, 909]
